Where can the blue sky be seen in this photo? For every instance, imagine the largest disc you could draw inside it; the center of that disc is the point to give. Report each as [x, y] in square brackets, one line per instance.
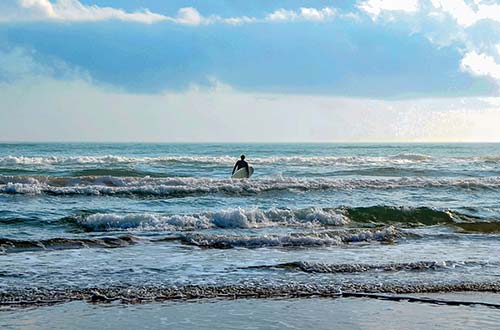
[423, 61]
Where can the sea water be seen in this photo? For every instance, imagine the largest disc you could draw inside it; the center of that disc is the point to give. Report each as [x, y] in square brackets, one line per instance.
[376, 217]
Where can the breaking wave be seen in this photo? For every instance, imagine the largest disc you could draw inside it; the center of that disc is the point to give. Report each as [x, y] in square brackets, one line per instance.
[257, 218]
[229, 218]
[298, 240]
[226, 159]
[252, 218]
[403, 158]
[185, 186]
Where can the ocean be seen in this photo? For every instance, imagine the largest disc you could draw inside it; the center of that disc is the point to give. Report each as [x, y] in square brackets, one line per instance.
[163, 225]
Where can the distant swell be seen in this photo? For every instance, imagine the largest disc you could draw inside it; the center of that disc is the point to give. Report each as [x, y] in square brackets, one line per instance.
[182, 186]
[316, 267]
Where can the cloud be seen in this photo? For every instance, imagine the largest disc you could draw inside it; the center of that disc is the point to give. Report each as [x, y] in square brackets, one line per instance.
[75, 11]
[481, 65]
[188, 16]
[44, 7]
[449, 23]
[444, 23]
[18, 63]
[375, 7]
[53, 110]
[47, 108]
[465, 14]
[304, 14]
[21, 64]
[238, 20]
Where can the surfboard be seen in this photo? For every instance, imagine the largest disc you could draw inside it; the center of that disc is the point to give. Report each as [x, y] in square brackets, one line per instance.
[242, 173]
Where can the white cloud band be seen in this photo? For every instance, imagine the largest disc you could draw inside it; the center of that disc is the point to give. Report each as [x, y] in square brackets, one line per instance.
[375, 7]
[75, 11]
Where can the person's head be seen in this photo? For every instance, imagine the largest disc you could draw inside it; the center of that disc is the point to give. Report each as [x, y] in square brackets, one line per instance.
[242, 157]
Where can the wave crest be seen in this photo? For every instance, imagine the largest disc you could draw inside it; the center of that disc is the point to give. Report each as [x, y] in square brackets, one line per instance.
[228, 218]
[402, 158]
[303, 240]
[184, 186]
[224, 159]
[311, 217]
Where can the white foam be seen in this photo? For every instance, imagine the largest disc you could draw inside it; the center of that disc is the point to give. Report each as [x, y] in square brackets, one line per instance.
[110, 222]
[225, 159]
[320, 267]
[319, 239]
[412, 157]
[397, 159]
[107, 185]
[21, 188]
[229, 218]
[262, 241]
[55, 160]
[384, 234]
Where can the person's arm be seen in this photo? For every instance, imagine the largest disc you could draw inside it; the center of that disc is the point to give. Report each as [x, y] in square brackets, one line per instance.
[248, 170]
[234, 168]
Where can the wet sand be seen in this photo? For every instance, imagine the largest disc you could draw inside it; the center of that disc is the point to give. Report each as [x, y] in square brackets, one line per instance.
[314, 313]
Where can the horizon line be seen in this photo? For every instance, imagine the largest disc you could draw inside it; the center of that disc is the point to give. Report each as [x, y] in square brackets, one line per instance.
[251, 142]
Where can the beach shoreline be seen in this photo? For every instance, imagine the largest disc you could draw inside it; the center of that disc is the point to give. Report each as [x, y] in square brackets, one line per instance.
[295, 313]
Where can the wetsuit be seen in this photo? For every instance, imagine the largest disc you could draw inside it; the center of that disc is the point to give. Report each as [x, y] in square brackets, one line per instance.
[240, 164]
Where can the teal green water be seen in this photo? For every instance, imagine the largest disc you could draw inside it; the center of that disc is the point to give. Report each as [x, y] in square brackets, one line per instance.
[84, 215]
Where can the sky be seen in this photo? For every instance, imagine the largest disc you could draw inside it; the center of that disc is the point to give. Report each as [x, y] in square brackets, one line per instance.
[250, 71]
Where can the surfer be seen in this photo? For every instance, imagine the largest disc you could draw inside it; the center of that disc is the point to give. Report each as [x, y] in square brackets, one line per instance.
[240, 164]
